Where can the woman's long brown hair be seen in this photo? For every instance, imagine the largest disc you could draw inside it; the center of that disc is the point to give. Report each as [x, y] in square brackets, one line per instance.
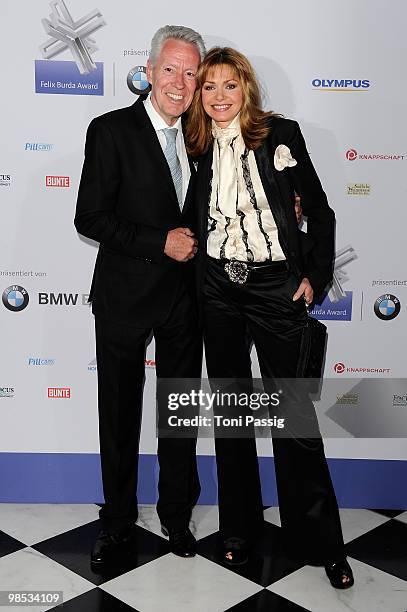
[253, 120]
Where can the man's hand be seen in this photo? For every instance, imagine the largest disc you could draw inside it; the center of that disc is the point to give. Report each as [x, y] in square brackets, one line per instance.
[306, 291]
[298, 209]
[181, 244]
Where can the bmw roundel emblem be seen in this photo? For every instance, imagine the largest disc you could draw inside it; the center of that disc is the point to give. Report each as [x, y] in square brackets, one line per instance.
[15, 298]
[137, 80]
[387, 307]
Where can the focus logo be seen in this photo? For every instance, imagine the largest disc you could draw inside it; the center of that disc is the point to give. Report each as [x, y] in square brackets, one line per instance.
[351, 154]
[387, 307]
[137, 80]
[339, 368]
[57, 181]
[5, 180]
[400, 400]
[15, 298]
[59, 392]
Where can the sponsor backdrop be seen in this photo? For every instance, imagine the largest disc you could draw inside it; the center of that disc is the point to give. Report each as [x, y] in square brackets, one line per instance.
[338, 70]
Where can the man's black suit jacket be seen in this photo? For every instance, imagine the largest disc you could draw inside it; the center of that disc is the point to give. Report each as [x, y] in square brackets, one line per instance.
[309, 254]
[127, 202]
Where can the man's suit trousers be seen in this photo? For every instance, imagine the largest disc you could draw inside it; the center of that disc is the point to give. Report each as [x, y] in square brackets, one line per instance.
[121, 353]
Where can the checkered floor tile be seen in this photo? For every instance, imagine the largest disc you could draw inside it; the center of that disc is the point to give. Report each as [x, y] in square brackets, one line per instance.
[46, 547]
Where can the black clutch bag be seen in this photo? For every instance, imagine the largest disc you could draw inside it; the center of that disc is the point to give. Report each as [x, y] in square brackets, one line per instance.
[312, 350]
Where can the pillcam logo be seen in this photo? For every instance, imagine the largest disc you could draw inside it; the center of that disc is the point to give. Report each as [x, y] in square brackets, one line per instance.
[59, 392]
[137, 80]
[15, 298]
[38, 146]
[387, 307]
[82, 76]
[341, 84]
[39, 361]
[57, 181]
[352, 155]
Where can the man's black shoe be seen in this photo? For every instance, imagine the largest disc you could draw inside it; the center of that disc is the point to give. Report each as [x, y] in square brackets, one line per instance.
[182, 542]
[108, 545]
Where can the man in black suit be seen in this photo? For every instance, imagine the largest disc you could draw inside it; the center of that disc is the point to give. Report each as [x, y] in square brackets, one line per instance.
[134, 198]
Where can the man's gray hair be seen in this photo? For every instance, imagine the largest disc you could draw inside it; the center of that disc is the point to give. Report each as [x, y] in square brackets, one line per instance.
[178, 33]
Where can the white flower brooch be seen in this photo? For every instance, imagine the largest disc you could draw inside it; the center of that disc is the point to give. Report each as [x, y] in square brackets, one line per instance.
[282, 158]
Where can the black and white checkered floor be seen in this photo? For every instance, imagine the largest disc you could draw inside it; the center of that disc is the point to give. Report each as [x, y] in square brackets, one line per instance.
[46, 547]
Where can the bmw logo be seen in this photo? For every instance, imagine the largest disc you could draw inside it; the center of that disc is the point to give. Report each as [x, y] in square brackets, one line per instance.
[387, 307]
[15, 298]
[137, 81]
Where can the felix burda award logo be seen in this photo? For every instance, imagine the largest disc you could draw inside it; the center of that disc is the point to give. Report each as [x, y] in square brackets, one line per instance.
[82, 76]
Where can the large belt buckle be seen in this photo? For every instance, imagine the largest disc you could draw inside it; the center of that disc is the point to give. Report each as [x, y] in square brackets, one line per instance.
[237, 271]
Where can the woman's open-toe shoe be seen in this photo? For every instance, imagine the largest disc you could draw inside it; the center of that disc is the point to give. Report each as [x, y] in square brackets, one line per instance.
[235, 551]
[340, 574]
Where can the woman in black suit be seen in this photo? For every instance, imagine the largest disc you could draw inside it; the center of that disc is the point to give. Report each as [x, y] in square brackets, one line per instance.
[257, 272]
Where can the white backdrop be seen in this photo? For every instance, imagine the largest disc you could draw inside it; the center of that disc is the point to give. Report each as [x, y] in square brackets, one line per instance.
[311, 58]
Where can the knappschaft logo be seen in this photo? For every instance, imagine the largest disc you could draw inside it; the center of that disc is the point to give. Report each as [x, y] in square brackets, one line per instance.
[82, 76]
[15, 298]
[353, 155]
[387, 307]
[137, 80]
[340, 368]
[341, 84]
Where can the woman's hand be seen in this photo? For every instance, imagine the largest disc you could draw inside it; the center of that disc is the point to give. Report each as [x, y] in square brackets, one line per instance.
[306, 291]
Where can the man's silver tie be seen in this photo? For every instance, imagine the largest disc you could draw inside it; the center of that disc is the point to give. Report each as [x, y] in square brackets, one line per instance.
[171, 156]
